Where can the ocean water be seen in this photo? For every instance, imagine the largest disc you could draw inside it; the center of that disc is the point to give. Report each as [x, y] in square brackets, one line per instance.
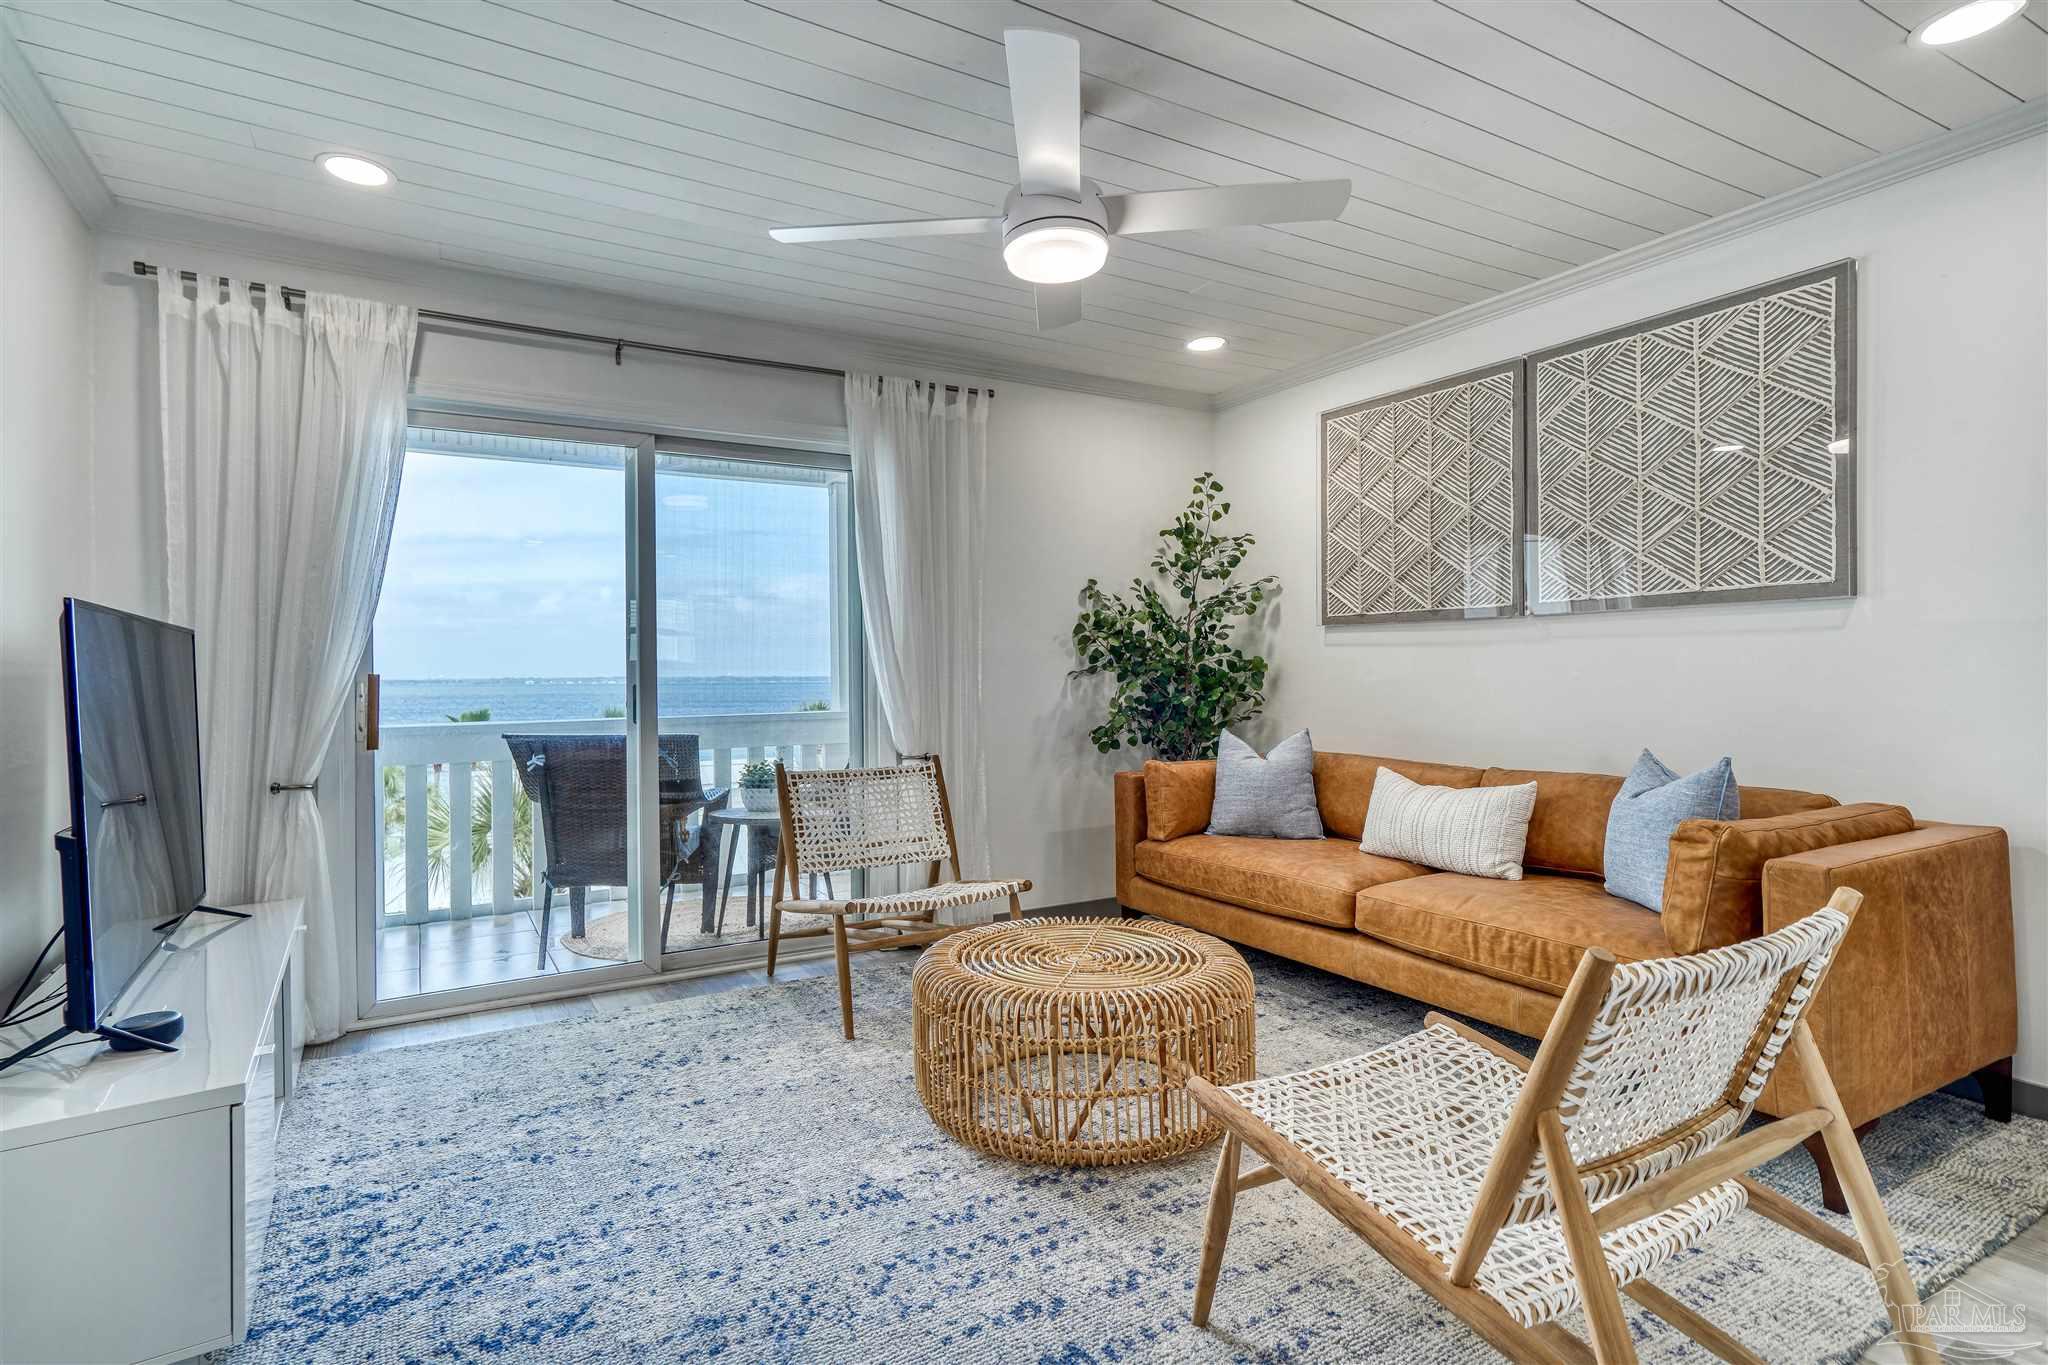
[432, 701]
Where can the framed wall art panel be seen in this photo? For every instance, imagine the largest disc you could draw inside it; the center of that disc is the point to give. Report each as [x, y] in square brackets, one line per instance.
[1422, 502]
[1700, 456]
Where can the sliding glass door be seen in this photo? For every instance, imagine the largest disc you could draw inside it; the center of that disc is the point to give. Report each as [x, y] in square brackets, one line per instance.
[582, 643]
[755, 641]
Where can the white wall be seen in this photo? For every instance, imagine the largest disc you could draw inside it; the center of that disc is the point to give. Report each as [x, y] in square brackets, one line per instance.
[1077, 488]
[46, 529]
[1930, 688]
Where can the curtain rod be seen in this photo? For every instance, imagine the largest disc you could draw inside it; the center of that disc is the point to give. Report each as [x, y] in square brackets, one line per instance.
[619, 345]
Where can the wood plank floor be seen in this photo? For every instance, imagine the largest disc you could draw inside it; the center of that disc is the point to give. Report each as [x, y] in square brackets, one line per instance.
[2016, 1273]
[548, 1011]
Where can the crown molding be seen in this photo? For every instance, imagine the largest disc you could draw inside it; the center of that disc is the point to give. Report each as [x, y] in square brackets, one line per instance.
[23, 96]
[2021, 121]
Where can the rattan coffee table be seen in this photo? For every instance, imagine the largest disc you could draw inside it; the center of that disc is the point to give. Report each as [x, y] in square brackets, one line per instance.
[1066, 1041]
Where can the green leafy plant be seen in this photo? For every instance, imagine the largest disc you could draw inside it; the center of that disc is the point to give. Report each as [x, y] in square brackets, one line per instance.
[1180, 682]
[441, 821]
[757, 774]
[815, 706]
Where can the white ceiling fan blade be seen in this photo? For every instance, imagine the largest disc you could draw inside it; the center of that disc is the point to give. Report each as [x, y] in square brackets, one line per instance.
[1045, 109]
[1058, 305]
[913, 227]
[1279, 201]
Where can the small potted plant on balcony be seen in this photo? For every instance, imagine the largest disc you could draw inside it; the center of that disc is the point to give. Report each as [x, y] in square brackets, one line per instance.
[757, 786]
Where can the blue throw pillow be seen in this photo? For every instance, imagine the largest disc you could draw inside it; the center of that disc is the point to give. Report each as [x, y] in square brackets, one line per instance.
[1646, 813]
[1270, 798]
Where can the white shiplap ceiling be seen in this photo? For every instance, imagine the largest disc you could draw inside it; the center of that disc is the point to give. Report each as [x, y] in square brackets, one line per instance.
[644, 148]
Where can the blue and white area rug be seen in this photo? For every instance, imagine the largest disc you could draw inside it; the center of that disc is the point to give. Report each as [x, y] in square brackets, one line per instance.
[726, 1178]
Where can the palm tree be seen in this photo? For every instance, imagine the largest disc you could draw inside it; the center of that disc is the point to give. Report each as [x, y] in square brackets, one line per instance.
[440, 824]
[480, 835]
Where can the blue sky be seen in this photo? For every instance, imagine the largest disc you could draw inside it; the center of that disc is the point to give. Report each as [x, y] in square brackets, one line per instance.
[504, 568]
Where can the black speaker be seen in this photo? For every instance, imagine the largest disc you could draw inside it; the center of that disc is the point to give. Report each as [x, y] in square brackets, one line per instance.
[139, 1031]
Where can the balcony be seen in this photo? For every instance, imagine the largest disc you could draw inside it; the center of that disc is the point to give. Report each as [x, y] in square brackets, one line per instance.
[461, 869]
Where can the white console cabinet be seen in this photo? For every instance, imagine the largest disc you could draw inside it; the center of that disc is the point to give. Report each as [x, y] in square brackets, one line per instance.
[135, 1187]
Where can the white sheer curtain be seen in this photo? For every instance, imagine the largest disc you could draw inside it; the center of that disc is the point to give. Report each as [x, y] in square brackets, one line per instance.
[920, 461]
[283, 439]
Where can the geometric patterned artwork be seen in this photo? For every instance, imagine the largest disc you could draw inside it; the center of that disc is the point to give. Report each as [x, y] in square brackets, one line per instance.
[1701, 456]
[1421, 512]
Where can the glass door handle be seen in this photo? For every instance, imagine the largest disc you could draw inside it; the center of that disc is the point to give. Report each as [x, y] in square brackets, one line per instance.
[367, 711]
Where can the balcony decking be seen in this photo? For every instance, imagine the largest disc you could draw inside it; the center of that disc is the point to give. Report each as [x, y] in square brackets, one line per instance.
[449, 954]
[438, 933]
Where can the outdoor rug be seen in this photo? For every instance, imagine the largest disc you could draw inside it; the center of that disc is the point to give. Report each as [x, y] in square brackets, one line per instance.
[726, 1178]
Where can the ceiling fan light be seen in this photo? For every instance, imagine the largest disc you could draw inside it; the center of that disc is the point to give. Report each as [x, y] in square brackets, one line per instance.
[1967, 21]
[1056, 253]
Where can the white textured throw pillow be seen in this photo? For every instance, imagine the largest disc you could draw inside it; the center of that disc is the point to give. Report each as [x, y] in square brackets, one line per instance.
[1475, 830]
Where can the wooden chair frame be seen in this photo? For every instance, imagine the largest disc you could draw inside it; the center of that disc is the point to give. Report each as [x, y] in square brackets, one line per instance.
[874, 932]
[1535, 1129]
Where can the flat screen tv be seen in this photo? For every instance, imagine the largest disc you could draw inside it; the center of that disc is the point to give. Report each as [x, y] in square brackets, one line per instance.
[136, 856]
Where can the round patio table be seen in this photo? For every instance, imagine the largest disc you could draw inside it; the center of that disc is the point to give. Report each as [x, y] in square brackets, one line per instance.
[1069, 1041]
[764, 842]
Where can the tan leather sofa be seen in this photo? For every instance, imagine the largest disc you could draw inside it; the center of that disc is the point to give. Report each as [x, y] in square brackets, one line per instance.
[1922, 993]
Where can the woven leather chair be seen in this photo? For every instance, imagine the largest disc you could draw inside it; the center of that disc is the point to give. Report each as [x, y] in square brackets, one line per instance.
[578, 782]
[1515, 1190]
[872, 818]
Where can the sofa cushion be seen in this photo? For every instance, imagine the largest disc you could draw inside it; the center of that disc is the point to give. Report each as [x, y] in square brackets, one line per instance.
[1344, 785]
[1317, 880]
[1568, 830]
[1713, 887]
[1178, 797]
[1531, 932]
[1760, 803]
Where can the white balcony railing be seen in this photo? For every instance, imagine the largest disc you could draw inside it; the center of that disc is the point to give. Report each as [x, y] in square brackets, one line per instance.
[441, 766]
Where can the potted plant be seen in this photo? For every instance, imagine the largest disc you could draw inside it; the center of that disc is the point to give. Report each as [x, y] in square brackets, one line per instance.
[756, 785]
[1180, 682]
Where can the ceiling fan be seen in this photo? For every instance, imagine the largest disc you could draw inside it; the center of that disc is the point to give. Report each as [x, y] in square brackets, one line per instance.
[1056, 224]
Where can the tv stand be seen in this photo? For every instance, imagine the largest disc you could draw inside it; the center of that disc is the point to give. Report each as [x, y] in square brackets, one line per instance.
[200, 910]
[165, 1157]
[123, 1040]
[216, 910]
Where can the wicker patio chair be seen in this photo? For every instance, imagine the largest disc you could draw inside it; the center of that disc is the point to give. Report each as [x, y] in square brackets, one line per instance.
[872, 818]
[1514, 1191]
[578, 782]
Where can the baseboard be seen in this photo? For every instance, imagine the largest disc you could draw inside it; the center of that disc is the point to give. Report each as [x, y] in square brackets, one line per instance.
[1103, 905]
[2028, 1099]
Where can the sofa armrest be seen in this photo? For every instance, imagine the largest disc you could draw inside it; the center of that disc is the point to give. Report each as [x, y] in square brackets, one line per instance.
[1130, 829]
[1922, 991]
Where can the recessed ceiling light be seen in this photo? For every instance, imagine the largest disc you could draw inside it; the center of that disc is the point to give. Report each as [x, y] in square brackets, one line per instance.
[1967, 21]
[1206, 344]
[355, 170]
